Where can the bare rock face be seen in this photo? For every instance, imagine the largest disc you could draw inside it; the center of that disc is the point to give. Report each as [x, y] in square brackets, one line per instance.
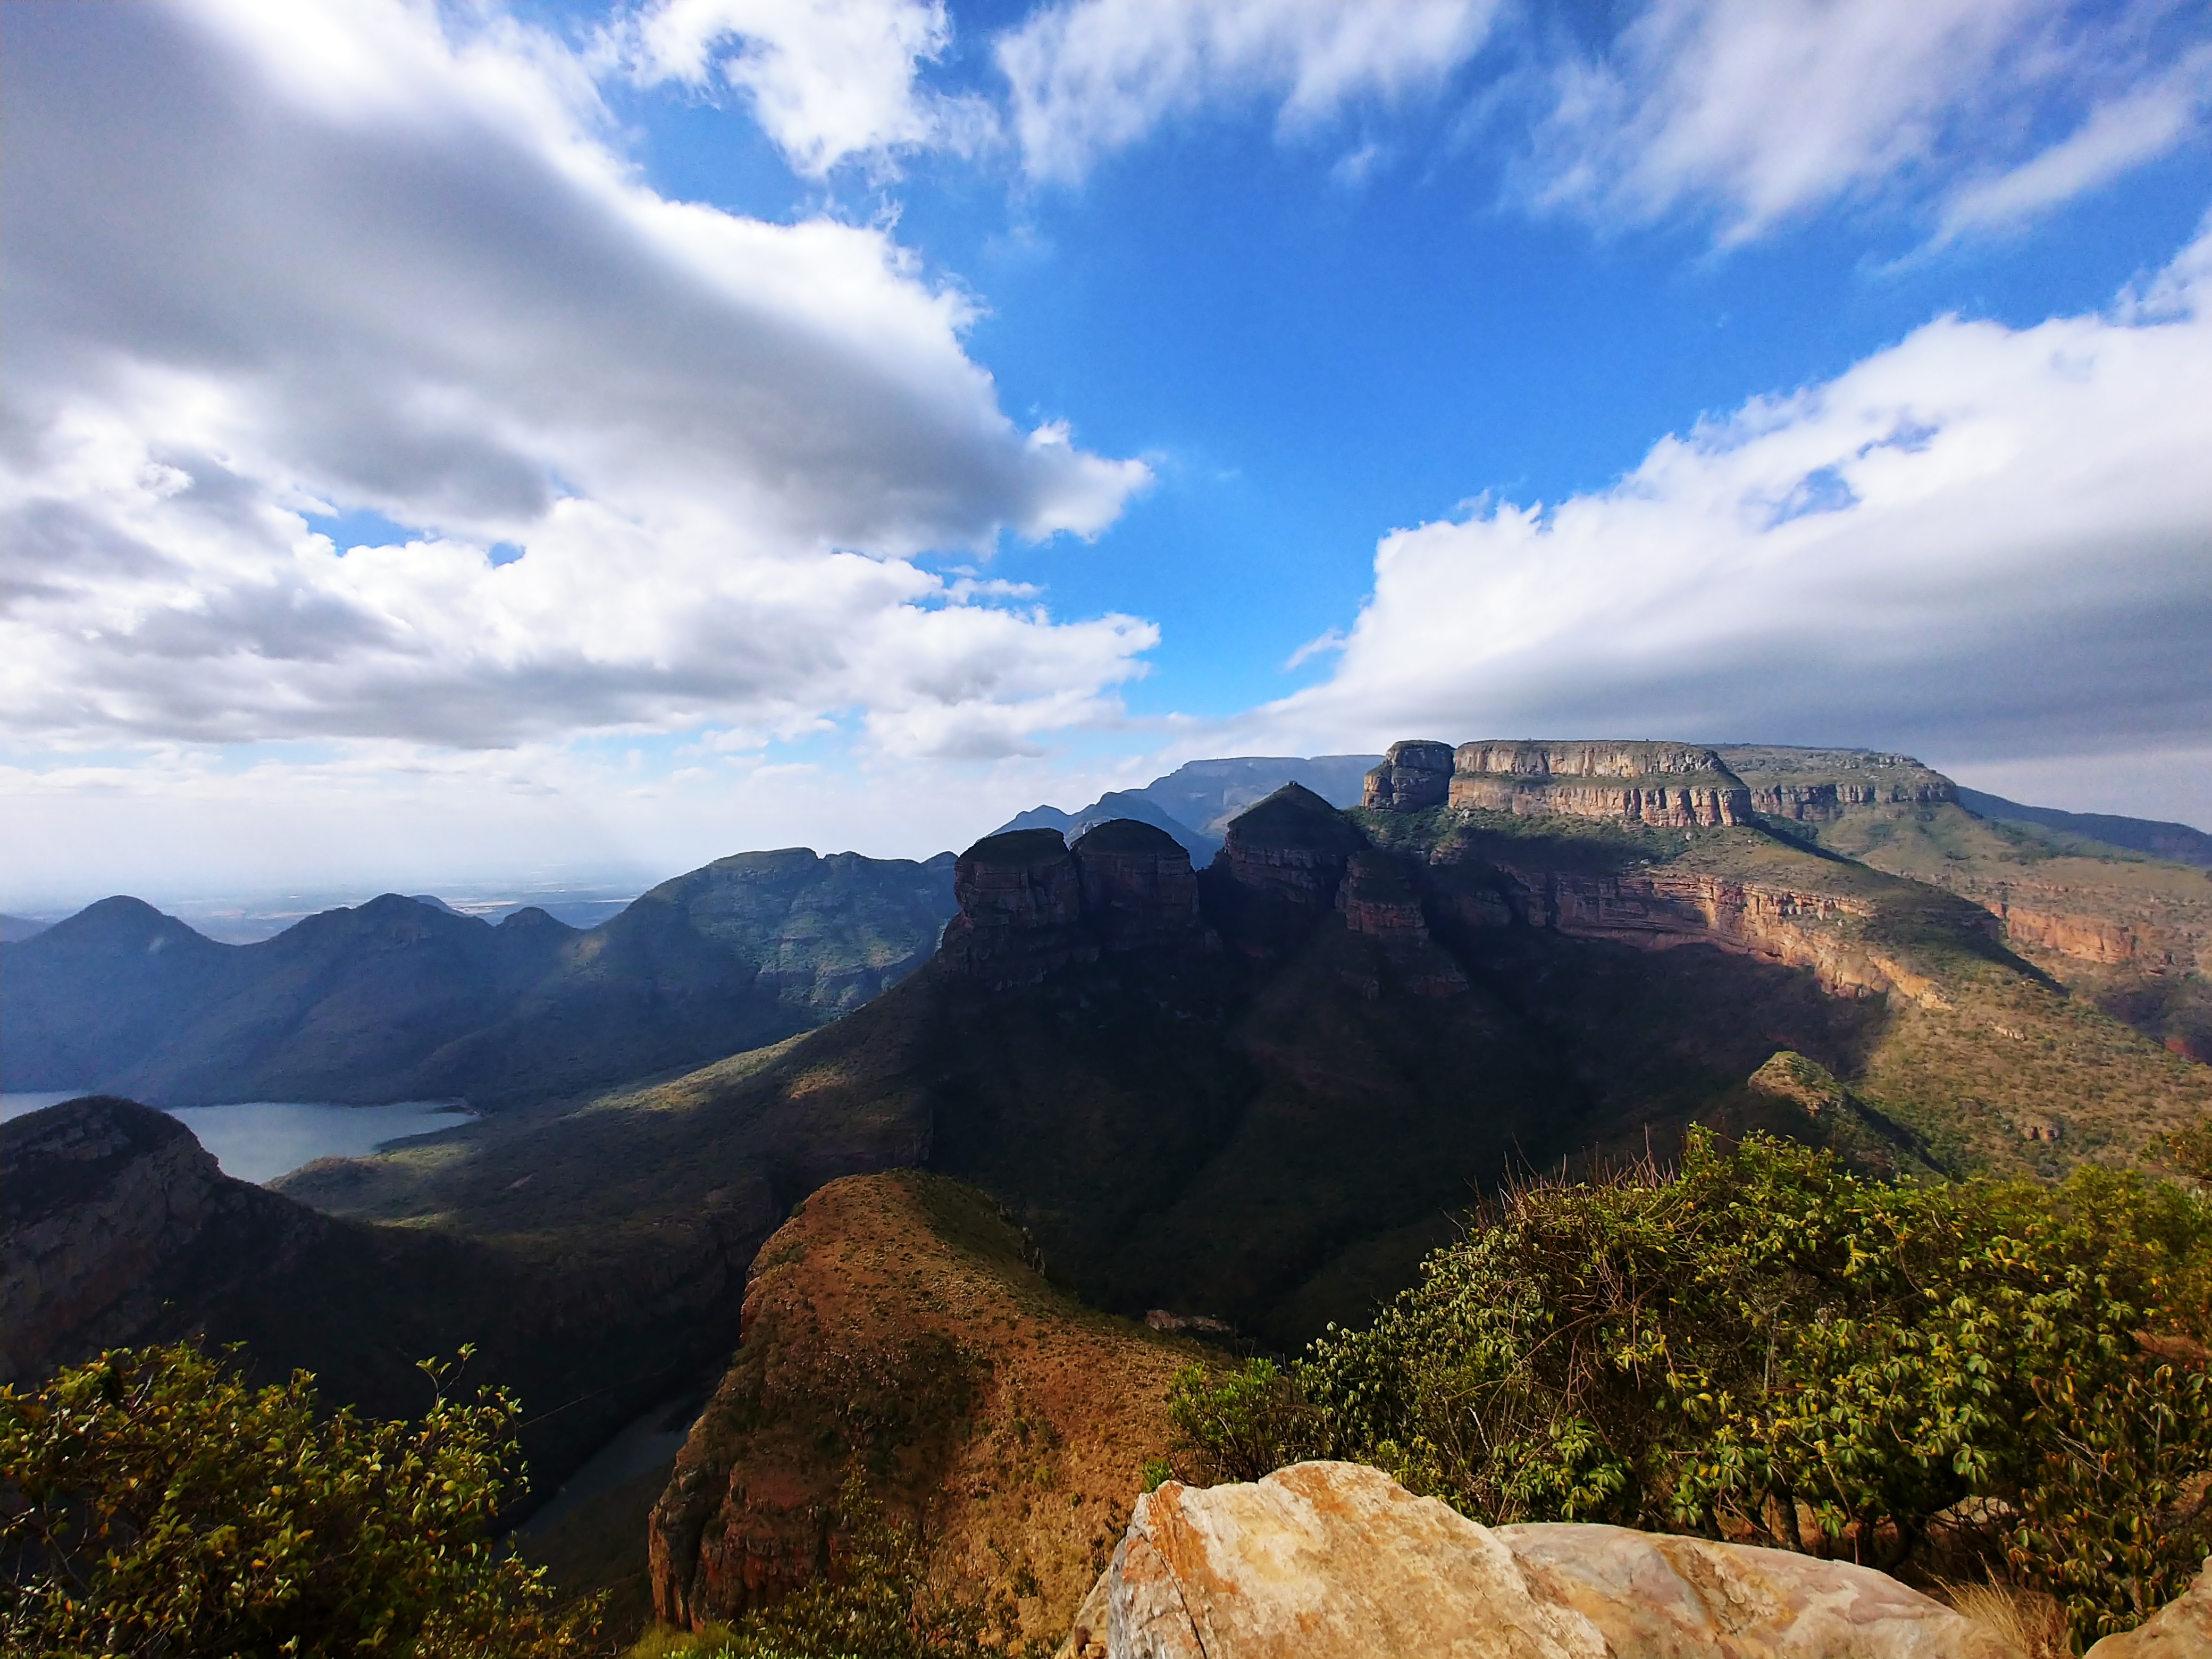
[1377, 900]
[1021, 908]
[2182, 1629]
[99, 1197]
[1323, 1561]
[1283, 860]
[1138, 888]
[1648, 1592]
[1326, 1559]
[1415, 774]
[1665, 784]
[1818, 785]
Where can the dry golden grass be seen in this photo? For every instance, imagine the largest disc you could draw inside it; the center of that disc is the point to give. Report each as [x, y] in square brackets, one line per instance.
[2027, 1620]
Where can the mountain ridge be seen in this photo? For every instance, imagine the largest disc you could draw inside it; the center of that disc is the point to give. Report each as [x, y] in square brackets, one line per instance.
[400, 998]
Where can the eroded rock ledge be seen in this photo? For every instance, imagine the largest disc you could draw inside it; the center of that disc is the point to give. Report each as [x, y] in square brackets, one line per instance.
[1663, 784]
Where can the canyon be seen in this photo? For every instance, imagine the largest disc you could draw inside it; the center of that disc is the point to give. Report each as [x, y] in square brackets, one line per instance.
[1241, 1097]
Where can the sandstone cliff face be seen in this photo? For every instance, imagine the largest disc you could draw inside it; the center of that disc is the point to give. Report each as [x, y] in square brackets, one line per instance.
[1415, 775]
[1138, 888]
[1660, 908]
[1378, 901]
[1031, 904]
[1819, 786]
[1280, 866]
[899, 1318]
[1021, 909]
[1319, 1560]
[101, 1202]
[1662, 784]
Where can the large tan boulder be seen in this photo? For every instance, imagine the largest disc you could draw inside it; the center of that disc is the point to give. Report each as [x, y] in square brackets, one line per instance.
[2182, 1629]
[1658, 1597]
[1321, 1560]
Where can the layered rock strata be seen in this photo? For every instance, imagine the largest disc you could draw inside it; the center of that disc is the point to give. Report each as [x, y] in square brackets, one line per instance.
[1378, 902]
[1326, 1559]
[1021, 908]
[1666, 785]
[1137, 887]
[1280, 865]
[1819, 786]
[1415, 775]
[1029, 903]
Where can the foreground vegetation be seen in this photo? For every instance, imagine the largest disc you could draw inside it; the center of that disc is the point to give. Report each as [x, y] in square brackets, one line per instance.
[1991, 1376]
[157, 1504]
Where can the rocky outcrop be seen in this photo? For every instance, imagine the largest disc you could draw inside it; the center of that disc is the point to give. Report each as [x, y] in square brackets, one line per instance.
[1280, 866]
[1327, 1559]
[1667, 785]
[1657, 909]
[1021, 909]
[1138, 888]
[1415, 775]
[1820, 786]
[898, 1323]
[2182, 1629]
[1031, 904]
[1378, 901]
[102, 1202]
[1805, 1084]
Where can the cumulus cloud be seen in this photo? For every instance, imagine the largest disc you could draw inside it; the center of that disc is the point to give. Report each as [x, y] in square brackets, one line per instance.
[266, 265]
[828, 79]
[1983, 541]
[1092, 77]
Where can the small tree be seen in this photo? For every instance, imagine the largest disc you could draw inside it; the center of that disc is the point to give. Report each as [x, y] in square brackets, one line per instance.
[155, 1504]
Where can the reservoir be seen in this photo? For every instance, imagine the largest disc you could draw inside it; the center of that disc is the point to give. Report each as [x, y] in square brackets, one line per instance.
[258, 1141]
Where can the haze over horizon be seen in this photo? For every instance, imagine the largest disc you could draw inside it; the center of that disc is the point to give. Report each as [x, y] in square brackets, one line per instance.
[445, 442]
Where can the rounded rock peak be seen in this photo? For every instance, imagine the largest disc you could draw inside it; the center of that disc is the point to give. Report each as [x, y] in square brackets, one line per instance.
[1294, 816]
[1018, 847]
[1127, 836]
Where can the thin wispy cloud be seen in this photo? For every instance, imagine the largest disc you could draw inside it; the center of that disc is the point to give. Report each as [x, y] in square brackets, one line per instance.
[1093, 76]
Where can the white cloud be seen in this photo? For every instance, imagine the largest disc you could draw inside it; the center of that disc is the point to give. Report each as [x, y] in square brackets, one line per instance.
[1989, 543]
[2141, 126]
[1760, 113]
[1764, 110]
[263, 262]
[1091, 77]
[828, 79]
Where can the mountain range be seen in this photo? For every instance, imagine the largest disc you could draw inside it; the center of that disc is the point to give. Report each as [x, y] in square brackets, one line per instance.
[401, 998]
[404, 998]
[1258, 1092]
[1239, 1096]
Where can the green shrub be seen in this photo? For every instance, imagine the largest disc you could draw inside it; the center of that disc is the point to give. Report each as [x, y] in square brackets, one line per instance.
[1764, 1341]
[157, 1504]
[1241, 1424]
[877, 1603]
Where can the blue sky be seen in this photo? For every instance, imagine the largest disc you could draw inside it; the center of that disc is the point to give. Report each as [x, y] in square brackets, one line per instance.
[729, 423]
